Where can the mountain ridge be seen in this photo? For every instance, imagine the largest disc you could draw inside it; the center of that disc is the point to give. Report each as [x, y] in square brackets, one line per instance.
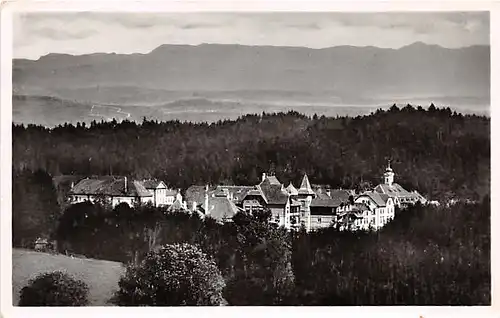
[344, 71]
[414, 44]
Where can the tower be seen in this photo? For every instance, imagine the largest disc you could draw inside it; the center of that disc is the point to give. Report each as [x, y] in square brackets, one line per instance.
[389, 175]
[306, 194]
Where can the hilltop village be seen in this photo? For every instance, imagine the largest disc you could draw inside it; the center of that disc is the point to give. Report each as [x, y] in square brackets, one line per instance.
[306, 205]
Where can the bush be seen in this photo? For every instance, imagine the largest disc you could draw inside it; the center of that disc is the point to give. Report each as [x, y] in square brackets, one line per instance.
[177, 274]
[54, 289]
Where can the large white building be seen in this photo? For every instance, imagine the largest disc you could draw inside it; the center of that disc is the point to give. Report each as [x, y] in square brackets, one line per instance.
[307, 206]
[381, 209]
[401, 196]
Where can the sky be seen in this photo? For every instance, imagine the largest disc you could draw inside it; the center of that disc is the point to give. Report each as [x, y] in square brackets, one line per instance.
[38, 34]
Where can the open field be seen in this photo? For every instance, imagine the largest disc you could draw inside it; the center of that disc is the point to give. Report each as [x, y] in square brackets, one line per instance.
[101, 276]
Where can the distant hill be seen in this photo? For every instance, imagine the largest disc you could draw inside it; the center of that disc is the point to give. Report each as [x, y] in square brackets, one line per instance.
[339, 74]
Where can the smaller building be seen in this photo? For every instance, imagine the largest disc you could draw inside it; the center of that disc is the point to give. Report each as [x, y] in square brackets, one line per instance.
[178, 205]
[111, 190]
[162, 195]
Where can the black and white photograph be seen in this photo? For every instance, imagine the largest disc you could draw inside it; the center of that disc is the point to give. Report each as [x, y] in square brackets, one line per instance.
[263, 158]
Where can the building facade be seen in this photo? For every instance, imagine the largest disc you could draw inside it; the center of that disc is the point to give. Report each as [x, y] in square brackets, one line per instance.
[312, 207]
[162, 195]
[402, 198]
[110, 190]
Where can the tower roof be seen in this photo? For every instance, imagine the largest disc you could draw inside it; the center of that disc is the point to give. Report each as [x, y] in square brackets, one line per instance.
[305, 186]
[388, 169]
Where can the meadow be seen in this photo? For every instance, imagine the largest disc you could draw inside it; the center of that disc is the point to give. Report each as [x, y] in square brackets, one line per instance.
[101, 276]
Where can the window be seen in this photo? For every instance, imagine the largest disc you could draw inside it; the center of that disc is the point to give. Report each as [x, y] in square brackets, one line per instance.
[319, 220]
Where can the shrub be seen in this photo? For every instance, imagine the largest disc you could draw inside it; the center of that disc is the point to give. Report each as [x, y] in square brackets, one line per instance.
[178, 274]
[54, 289]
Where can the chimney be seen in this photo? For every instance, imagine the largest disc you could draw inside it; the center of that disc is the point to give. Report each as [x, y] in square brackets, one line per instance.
[126, 185]
[72, 185]
[263, 176]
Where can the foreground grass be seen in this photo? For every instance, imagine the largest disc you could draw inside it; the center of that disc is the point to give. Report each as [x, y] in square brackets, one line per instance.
[101, 276]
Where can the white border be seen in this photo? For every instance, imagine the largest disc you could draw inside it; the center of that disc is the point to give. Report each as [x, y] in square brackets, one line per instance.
[7, 8]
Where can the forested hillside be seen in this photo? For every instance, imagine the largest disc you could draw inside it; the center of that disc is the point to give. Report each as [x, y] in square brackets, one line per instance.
[440, 153]
[426, 256]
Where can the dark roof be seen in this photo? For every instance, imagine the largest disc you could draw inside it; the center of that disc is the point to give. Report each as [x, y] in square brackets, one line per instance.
[271, 180]
[341, 195]
[110, 186]
[221, 208]
[151, 183]
[395, 190]
[255, 192]
[360, 207]
[274, 194]
[323, 200]
[378, 198]
[237, 192]
[66, 180]
[196, 193]
[177, 206]
[324, 203]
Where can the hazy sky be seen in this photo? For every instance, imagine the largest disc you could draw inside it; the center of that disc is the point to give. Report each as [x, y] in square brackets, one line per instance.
[37, 34]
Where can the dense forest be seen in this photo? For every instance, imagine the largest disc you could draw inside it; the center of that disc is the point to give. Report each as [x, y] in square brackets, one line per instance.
[439, 152]
[427, 255]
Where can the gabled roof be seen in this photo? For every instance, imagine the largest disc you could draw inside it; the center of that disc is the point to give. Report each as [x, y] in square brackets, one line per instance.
[257, 191]
[341, 195]
[271, 180]
[221, 208]
[316, 202]
[291, 189]
[394, 190]
[236, 192]
[110, 186]
[274, 194]
[152, 183]
[378, 198]
[305, 186]
[360, 207]
[177, 206]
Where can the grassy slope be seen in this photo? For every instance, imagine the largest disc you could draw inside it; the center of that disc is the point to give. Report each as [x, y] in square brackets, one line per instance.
[101, 276]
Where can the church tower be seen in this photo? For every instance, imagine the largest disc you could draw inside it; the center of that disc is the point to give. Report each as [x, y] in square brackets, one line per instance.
[389, 175]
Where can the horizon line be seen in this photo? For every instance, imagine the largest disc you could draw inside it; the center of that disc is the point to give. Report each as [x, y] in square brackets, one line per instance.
[416, 43]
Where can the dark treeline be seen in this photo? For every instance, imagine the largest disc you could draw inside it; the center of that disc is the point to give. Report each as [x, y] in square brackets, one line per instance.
[427, 255]
[437, 151]
[253, 254]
